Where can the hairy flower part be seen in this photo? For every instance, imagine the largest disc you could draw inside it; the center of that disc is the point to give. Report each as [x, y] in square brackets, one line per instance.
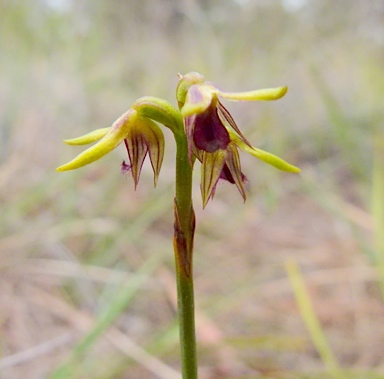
[213, 136]
[141, 136]
[125, 168]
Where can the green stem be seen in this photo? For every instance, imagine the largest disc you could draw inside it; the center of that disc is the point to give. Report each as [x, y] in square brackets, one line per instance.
[183, 247]
[184, 227]
[186, 312]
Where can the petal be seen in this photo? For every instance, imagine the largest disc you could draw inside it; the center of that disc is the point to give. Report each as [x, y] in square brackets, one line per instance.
[137, 150]
[211, 168]
[266, 157]
[89, 137]
[229, 122]
[113, 138]
[145, 136]
[155, 143]
[233, 164]
[261, 94]
[189, 125]
[199, 98]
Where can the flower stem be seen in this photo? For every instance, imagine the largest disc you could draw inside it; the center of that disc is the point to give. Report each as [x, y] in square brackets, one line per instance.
[183, 246]
[187, 327]
[184, 227]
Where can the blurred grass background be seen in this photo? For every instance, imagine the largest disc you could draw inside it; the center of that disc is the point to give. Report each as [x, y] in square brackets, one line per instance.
[87, 286]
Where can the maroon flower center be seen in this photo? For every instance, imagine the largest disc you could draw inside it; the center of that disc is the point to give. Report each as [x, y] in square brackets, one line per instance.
[227, 175]
[209, 133]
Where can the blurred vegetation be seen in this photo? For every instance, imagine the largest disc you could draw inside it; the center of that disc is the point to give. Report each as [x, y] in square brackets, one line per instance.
[86, 284]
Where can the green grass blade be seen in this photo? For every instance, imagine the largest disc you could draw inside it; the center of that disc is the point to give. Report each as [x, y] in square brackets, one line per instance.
[378, 207]
[311, 321]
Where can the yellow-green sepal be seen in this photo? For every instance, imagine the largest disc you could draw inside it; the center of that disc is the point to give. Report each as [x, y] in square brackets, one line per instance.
[261, 94]
[266, 157]
[89, 137]
[113, 138]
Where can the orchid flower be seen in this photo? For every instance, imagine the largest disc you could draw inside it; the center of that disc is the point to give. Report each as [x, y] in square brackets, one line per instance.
[213, 136]
[140, 134]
